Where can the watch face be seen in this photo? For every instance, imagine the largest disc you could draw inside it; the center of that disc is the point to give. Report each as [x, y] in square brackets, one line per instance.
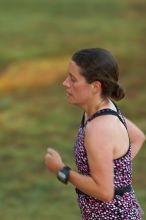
[61, 175]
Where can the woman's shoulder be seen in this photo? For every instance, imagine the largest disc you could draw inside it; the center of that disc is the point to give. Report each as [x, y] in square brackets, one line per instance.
[102, 127]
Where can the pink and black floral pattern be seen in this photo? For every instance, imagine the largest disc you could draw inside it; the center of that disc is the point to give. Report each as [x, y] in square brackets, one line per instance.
[123, 207]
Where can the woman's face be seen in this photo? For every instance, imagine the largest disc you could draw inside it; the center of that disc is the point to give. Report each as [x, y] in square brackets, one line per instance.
[78, 91]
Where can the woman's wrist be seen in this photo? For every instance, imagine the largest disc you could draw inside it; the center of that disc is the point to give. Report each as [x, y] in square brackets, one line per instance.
[63, 174]
[58, 167]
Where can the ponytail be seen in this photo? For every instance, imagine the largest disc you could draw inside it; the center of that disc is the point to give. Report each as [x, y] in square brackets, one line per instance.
[118, 92]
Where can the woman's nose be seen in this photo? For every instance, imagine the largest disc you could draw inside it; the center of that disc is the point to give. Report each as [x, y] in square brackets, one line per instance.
[66, 83]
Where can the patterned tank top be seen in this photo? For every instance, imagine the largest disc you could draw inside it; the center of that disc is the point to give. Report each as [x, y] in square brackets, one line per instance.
[123, 207]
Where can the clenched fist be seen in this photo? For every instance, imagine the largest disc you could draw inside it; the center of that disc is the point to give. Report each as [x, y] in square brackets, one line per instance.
[53, 161]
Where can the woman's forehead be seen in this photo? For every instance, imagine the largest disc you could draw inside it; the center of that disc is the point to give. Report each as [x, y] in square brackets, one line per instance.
[74, 69]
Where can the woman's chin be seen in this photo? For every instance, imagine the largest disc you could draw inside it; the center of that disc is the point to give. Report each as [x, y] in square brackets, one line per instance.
[70, 100]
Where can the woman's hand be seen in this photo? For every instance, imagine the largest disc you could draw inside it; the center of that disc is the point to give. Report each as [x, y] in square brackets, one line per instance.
[53, 160]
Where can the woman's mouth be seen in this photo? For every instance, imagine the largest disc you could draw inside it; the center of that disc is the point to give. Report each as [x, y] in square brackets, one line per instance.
[68, 93]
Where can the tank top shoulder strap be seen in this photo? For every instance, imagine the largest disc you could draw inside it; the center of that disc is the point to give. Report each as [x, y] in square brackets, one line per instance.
[106, 111]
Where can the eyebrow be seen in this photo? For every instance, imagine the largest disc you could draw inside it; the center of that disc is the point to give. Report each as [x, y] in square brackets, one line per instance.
[70, 74]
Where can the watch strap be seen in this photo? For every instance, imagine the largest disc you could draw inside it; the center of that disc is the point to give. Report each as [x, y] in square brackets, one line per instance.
[63, 174]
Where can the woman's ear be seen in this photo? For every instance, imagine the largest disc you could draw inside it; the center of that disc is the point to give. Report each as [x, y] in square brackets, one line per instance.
[96, 86]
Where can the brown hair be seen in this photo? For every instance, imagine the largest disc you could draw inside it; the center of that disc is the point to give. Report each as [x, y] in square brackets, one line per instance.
[98, 64]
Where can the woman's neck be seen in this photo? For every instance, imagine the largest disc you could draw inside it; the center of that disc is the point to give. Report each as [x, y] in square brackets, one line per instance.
[97, 106]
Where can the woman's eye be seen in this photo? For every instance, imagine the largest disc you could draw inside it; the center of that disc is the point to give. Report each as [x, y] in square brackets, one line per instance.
[73, 79]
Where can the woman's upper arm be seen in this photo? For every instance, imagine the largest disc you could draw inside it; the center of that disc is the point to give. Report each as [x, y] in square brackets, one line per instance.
[100, 154]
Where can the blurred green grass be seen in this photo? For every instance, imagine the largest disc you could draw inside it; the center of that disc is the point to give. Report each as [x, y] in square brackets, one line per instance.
[29, 124]
[35, 118]
[48, 28]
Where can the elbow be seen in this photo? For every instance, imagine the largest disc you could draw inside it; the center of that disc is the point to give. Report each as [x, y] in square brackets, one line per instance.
[140, 139]
[143, 137]
[137, 144]
[105, 196]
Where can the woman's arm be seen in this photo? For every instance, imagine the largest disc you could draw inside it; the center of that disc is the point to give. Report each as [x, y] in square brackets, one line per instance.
[136, 136]
[86, 184]
[100, 183]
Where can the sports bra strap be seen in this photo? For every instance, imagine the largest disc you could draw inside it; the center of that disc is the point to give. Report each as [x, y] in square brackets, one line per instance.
[105, 112]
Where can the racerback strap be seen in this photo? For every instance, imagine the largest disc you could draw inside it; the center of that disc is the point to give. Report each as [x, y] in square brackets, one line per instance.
[106, 111]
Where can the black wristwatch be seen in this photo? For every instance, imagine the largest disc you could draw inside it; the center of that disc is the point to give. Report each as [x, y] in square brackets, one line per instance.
[63, 174]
